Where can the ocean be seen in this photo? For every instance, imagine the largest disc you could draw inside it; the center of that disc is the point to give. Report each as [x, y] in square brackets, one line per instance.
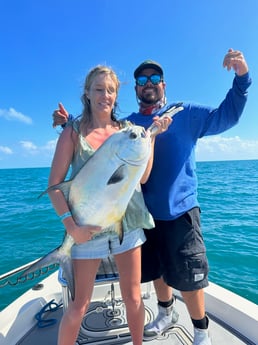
[228, 195]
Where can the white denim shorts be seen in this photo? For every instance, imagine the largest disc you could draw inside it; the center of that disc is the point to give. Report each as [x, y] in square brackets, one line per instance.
[108, 243]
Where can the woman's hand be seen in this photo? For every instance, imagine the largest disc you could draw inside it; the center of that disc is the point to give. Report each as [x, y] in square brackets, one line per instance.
[80, 234]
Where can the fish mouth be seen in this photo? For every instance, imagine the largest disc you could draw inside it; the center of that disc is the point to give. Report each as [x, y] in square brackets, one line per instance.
[130, 162]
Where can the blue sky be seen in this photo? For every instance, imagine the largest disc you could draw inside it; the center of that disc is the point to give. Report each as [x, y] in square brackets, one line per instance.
[47, 48]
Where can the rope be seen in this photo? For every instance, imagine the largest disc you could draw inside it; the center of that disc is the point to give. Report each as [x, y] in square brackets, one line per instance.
[49, 307]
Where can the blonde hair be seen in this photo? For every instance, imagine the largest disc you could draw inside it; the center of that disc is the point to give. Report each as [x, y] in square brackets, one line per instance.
[86, 113]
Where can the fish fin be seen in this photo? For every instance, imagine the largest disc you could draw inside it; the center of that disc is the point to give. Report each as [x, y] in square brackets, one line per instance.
[120, 231]
[63, 186]
[118, 175]
[138, 188]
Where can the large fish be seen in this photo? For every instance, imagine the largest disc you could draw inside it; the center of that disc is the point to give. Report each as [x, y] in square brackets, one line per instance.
[100, 192]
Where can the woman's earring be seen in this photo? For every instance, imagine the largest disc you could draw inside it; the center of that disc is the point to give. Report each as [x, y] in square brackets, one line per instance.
[87, 100]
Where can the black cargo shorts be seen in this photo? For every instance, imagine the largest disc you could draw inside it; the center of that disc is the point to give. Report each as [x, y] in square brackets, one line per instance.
[175, 250]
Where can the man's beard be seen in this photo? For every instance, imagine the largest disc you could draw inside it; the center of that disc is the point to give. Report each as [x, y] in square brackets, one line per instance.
[150, 97]
[149, 100]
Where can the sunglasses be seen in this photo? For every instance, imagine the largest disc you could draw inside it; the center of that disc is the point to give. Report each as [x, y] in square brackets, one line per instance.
[142, 80]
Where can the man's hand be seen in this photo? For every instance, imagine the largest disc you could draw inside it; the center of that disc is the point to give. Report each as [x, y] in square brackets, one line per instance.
[235, 59]
[60, 116]
[161, 124]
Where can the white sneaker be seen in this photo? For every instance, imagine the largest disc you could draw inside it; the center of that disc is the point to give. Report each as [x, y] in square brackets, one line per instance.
[165, 319]
[201, 336]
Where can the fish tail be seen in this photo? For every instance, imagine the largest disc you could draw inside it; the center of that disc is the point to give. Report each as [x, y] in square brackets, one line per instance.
[50, 258]
[67, 273]
[55, 256]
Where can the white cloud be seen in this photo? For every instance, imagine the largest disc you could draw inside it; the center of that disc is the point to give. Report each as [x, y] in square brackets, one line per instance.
[50, 146]
[213, 148]
[30, 148]
[6, 150]
[11, 114]
[221, 148]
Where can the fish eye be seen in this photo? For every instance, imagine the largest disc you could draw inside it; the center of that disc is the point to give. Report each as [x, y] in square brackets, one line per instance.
[133, 135]
[143, 133]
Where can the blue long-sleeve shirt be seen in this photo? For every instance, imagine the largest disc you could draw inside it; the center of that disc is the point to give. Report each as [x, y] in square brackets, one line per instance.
[171, 189]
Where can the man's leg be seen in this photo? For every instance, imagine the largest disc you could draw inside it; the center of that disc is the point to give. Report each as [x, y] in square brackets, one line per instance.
[184, 266]
[152, 271]
[163, 291]
[195, 303]
[167, 315]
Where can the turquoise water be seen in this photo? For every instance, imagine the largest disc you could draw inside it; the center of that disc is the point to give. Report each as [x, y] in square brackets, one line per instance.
[228, 194]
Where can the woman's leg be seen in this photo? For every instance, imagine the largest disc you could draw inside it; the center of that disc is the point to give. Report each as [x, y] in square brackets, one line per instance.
[129, 267]
[84, 276]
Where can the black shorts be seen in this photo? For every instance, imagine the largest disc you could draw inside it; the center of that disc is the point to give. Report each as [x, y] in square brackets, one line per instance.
[175, 251]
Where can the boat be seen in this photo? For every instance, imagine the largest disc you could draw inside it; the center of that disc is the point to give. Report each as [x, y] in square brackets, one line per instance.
[33, 318]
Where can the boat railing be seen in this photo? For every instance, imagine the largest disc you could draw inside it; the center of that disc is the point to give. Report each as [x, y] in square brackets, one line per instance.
[12, 278]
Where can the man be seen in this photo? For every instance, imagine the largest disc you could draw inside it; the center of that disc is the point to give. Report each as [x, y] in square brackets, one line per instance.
[174, 255]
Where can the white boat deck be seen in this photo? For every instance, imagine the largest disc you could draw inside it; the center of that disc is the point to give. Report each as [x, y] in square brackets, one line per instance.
[105, 323]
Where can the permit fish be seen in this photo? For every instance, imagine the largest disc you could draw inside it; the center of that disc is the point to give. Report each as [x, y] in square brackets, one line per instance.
[100, 192]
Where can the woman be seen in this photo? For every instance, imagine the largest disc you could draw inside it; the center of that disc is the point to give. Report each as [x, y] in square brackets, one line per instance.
[76, 144]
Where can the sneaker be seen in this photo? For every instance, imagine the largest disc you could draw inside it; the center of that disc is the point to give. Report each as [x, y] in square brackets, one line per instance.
[165, 319]
[201, 336]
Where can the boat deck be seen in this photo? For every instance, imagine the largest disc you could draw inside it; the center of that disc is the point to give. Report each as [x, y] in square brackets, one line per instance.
[106, 324]
[233, 320]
